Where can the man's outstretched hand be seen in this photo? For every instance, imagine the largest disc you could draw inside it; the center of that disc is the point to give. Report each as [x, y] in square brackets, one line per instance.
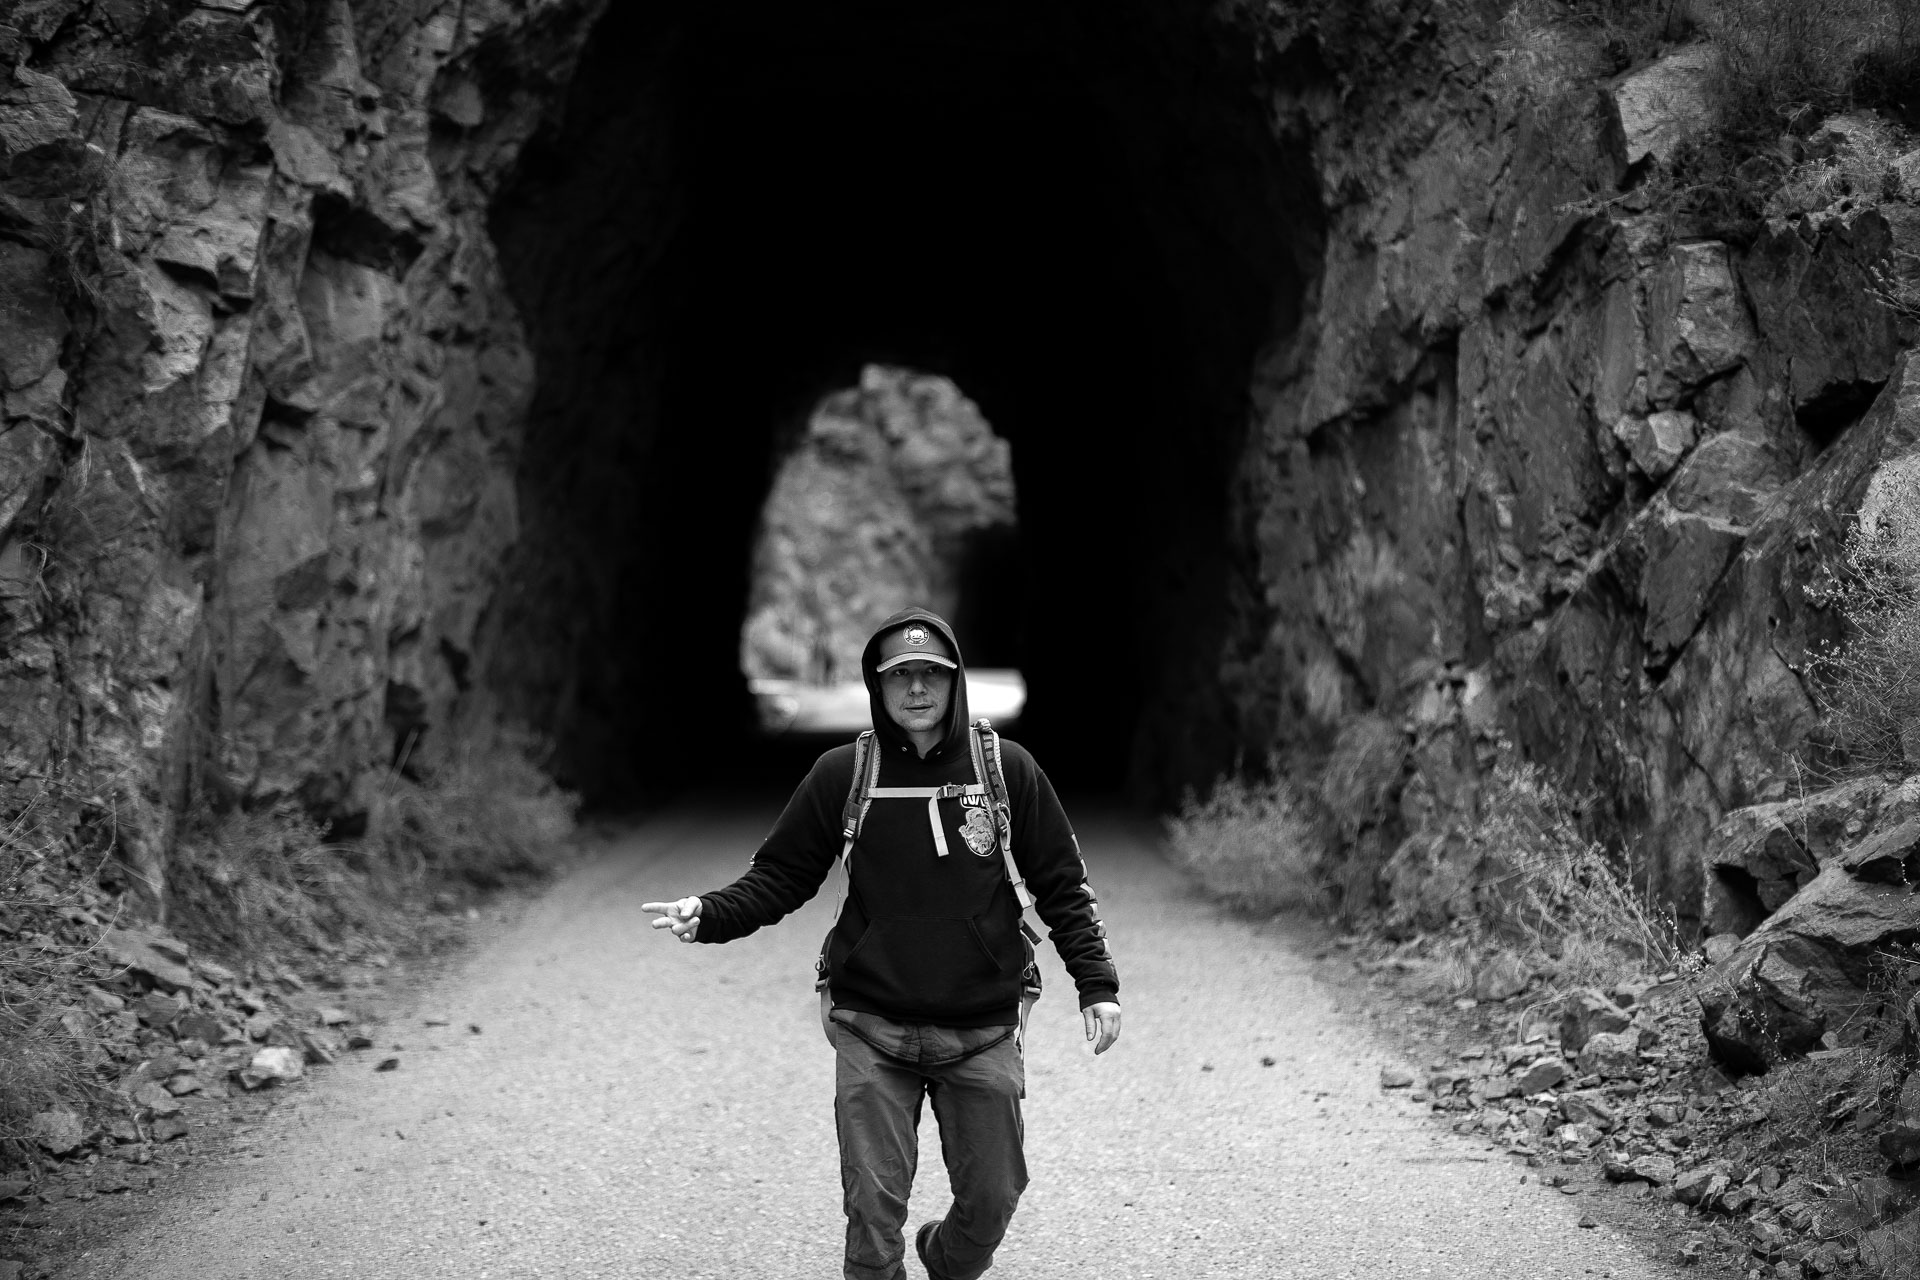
[683, 917]
[1102, 1019]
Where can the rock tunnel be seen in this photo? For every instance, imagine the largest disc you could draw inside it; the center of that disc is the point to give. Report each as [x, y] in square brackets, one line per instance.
[1077, 213]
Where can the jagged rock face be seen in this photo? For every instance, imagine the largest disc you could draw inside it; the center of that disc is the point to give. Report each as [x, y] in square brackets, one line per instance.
[872, 511]
[260, 376]
[373, 371]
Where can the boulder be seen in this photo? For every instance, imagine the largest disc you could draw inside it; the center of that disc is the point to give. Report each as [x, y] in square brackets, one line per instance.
[1729, 477]
[1662, 105]
[1761, 855]
[58, 1131]
[1807, 968]
[1685, 558]
[1814, 291]
[1611, 1055]
[1587, 1109]
[1659, 1170]
[157, 1010]
[203, 1027]
[153, 1096]
[1657, 442]
[273, 1065]
[145, 954]
[1697, 324]
[1888, 856]
[1541, 1076]
[1584, 1014]
[1696, 1185]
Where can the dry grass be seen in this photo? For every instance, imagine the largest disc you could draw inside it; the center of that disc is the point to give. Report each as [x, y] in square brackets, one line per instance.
[248, 881]
[47, 1047]
[1555, 895]
[1783, 66]
[1786, 64]
[1253, 844]
[485, 818]
[252, 880]
[1871, 684]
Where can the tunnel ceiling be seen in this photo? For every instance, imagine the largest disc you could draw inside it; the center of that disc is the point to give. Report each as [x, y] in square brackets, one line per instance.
[1078, 214]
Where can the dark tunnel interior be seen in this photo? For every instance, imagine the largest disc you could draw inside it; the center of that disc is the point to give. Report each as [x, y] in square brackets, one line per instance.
[1079, 214]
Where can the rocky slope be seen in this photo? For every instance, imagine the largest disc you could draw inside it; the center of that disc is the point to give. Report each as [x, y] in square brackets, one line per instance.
[319, 451]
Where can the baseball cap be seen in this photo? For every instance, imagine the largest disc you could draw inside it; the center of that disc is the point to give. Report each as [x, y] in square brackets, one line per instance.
[915, 642]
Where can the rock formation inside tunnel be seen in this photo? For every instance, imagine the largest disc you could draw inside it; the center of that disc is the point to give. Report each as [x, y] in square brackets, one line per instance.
[895, 493]
[378, 374]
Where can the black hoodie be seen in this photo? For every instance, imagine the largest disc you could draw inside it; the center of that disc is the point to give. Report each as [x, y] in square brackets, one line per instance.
[924, 938]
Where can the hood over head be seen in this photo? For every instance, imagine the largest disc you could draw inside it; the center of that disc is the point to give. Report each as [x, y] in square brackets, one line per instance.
[953, 735]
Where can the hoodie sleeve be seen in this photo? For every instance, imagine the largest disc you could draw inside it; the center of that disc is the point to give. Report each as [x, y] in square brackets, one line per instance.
[792, 862]
[1049, 858]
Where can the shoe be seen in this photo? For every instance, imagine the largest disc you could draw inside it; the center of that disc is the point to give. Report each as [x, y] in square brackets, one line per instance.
[920, 1239]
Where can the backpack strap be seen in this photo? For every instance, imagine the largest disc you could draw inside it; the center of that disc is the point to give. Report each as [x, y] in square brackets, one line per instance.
[853, 814]
[987, 768]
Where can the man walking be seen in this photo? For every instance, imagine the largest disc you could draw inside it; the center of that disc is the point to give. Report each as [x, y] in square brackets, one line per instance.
[926, 976]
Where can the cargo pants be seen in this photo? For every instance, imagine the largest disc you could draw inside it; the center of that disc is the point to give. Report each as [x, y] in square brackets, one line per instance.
[975, 1078]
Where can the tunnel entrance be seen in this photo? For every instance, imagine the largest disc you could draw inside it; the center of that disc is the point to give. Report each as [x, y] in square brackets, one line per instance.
[1080, 214]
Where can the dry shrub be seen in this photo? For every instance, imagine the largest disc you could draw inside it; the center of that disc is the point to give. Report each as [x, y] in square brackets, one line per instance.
[1785, 64]
[1545, 50]
[47, 1046]
[250, 880]
[1362, 776]
[1872, 683]
[1557, 895]
[1253, 844]
[485, 817]
[1854, 168]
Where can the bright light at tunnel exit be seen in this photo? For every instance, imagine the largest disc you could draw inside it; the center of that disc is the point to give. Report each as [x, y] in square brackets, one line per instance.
[793, 706]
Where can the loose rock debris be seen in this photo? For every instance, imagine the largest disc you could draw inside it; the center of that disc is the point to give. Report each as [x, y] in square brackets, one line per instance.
[1618, 1082]
[182, 1047]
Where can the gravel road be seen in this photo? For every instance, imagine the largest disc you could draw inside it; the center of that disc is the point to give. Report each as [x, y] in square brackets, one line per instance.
[637, 1108]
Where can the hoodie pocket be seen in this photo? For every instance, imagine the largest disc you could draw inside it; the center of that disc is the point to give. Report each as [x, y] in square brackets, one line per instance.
[925, 965]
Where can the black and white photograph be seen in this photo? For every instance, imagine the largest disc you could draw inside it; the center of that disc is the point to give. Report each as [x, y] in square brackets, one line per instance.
[870, 640]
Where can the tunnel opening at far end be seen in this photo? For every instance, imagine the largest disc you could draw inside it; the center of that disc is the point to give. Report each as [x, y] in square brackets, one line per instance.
[1080, 216]
[892, 494]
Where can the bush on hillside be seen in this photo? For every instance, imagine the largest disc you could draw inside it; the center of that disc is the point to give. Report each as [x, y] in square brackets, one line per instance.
[1786, 64]
[1556, 895]
[1872, 682]
[484, 818]
[47, 1045]
[1254, 844]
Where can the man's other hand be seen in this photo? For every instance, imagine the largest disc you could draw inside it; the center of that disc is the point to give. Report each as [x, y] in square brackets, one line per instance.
[683, 917]
[1102, 1019]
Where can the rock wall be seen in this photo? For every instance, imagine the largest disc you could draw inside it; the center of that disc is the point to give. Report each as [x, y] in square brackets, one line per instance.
[1518, 453]
[1532, 439]
[262, 392]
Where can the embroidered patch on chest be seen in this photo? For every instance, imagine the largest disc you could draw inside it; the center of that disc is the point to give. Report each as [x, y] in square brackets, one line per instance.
[977, 830]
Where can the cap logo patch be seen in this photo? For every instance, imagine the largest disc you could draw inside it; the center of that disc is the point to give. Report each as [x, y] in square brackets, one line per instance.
[916, 636]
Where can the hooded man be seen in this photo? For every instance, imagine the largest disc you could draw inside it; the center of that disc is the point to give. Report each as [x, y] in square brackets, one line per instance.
[924, 972]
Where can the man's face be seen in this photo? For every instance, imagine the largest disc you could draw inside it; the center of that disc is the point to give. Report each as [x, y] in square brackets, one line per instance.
[917, 694]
